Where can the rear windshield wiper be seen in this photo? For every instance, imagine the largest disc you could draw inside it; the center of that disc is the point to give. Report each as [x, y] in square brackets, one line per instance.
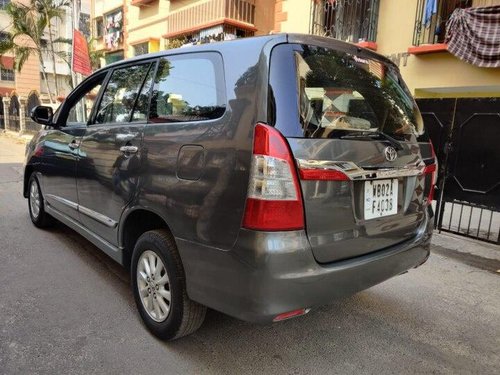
[376, 133]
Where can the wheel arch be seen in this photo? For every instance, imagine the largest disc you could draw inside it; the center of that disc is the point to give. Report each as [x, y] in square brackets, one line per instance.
[134, 223]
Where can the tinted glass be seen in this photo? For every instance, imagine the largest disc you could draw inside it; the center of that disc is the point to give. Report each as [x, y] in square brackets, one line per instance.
[341, 93]
[188, 88]
[79, 114]
[120, 95]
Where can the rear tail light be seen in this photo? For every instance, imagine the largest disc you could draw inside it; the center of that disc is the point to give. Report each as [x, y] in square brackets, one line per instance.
[274, 200]
[432, 171]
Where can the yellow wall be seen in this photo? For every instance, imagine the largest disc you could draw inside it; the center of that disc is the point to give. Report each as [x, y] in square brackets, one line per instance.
[298, 14]
[147, 23]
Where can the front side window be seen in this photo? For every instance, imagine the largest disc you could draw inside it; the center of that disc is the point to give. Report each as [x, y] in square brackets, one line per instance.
[121, 93]
[188, 88]
[80, 111]
[341, 93]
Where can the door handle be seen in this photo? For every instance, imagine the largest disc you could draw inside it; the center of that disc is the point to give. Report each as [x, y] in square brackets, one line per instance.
[129, 149]
[74, 144]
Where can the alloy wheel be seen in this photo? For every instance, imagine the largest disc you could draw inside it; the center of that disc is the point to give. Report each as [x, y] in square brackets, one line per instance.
[34, 199]
[154, 286]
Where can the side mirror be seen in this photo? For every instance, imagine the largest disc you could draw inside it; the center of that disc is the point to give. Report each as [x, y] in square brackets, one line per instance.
[42, 115]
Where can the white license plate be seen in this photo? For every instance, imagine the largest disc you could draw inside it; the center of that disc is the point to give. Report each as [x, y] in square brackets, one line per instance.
[381, 198]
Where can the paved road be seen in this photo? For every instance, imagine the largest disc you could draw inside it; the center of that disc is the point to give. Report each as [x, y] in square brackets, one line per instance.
[66, 308]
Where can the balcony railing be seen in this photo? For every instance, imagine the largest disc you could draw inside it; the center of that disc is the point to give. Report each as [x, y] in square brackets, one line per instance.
[207, 14]
[348, 20]
[431, 17]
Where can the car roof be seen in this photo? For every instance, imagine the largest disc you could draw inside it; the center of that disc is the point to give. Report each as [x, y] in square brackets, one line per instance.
[257, 43]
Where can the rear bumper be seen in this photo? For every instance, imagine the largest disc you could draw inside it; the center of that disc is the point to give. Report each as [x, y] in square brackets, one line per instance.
[267, 274]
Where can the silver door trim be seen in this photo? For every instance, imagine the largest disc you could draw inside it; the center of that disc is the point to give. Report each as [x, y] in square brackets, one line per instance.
[103, 219]
[354, 172]
[64, 201]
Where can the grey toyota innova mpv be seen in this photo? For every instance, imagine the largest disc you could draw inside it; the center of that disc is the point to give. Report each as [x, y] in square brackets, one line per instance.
[260, 177]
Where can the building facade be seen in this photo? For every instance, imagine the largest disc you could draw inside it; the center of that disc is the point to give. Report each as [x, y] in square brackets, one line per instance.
[126, 28]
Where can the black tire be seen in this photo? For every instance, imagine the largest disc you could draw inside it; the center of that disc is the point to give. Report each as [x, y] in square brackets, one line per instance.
[185, 316]
[42, 219]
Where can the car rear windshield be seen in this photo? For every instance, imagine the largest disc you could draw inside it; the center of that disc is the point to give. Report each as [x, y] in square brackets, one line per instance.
[341, 93]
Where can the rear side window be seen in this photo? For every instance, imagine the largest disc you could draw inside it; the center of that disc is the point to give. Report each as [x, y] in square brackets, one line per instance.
[188, 88]
[340, 93]
[124, 89]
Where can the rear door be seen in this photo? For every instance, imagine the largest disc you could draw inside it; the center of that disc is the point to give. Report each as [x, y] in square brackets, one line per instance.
[110, 153]
[353, 135]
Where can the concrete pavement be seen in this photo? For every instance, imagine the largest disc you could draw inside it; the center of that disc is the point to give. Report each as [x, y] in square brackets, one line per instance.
[67, 308]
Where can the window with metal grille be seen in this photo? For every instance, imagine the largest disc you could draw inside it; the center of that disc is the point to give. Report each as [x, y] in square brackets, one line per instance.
[431, 18]
[141, 49]
[348, 20]
[7, 74]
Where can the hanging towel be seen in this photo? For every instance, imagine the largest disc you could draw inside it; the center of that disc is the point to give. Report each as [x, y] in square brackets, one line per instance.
[429, 10]
[473, 35]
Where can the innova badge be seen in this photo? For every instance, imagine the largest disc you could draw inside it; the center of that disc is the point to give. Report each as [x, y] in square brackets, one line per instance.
[390, 153]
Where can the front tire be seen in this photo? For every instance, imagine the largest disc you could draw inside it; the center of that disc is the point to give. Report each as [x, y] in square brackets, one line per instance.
[36, 205]
[159, 287]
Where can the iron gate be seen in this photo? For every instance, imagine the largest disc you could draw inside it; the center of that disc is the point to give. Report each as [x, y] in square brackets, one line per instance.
[466, 136]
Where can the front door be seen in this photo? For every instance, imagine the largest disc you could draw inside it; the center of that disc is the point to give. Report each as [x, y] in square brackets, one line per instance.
[60, 148]
[109, 164]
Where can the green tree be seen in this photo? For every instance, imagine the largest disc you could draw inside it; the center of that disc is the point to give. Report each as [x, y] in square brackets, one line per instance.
[94, 54]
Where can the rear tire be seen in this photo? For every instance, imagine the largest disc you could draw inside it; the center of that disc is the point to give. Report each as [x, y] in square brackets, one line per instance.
[36, 205]
[159, 287]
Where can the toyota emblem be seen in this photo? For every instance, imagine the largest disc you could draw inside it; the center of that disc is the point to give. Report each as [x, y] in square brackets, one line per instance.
[390, 153]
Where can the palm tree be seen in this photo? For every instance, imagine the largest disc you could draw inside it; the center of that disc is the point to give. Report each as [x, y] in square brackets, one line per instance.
[49, 10]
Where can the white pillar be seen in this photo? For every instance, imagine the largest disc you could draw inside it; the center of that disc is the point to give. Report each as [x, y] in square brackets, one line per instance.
[6, 105]
[22, 115]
